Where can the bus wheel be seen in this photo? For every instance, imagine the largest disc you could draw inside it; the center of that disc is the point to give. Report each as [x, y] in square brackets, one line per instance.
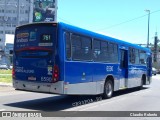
[143, 79]
[108, 89]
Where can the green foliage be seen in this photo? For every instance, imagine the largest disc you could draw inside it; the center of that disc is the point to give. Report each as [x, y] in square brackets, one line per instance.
[6, 76]
[5, 71]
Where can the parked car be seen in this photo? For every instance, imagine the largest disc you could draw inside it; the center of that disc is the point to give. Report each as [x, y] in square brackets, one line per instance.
[10, 67]
[4, 66]
[154, 71]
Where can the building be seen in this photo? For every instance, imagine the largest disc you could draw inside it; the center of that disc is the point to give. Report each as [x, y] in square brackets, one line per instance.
[12, 13]
[18, 12]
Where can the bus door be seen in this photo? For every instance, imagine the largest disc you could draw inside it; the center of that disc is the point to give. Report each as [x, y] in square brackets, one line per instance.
[123, 68]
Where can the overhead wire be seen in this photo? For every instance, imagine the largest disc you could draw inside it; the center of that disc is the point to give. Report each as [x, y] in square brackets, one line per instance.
[64, 20]
[126, 21]
[118, 24]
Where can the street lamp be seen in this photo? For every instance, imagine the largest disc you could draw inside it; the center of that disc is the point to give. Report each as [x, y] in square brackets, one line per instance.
[148, 11]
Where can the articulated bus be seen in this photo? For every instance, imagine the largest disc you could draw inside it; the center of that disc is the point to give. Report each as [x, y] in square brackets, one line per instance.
[62, 59]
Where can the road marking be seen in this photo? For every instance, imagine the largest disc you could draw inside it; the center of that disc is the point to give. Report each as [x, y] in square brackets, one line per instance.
[108, 101]
[94, 104]
[2, 109]
[101, 104]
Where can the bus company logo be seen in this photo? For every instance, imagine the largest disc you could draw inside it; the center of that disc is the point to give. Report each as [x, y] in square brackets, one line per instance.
[109, 68]
[6, 114]
[135, 70]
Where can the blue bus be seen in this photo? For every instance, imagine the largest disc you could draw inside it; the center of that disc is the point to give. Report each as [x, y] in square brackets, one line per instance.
[62, 59]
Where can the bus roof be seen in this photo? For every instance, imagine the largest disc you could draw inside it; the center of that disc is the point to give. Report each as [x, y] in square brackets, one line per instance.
[36, 23]
[100, 36]
[90, 33]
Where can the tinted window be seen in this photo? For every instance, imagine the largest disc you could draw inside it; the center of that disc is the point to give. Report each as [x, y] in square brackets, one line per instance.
[42, 35]
[104, 51]
[81, 48]
[142, 57]
[132, 55]
[68, 46]
[136, 56]
[99, 50]
[33, 54]
[110, 48]
[96, 49]
[115, 56]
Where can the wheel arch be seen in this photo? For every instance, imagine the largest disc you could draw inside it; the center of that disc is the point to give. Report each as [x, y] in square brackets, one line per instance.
[110, 77]
[108, 87]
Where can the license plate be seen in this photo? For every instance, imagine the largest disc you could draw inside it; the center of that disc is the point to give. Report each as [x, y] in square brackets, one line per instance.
[32, 78]
[31, 87]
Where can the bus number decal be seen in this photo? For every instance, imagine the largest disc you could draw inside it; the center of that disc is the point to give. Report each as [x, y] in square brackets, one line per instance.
[46, 79]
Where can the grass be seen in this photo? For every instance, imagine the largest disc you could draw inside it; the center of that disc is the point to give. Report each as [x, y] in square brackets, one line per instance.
[5, 71]
[6, 78]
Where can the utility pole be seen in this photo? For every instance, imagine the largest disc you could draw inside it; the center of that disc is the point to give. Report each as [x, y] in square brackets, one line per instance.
[155, 48]
[148, 27]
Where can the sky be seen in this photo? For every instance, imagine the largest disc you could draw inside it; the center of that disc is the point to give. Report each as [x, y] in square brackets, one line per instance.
[122, 19]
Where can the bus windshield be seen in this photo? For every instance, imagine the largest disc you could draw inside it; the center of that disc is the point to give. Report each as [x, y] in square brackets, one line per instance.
[38, 35]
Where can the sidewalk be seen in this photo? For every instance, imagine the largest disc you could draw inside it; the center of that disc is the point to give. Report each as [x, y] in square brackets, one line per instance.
[2, 84]
[5, 87]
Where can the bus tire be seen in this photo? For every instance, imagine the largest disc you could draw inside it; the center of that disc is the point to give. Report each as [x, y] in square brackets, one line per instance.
[142, 82]
[108, 89]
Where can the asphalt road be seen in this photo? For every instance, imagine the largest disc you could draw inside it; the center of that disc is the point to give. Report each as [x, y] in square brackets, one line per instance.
[147, 99]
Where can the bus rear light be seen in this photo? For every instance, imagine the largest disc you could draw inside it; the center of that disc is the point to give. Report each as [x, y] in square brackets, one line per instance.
[55, 74]
[13, 73]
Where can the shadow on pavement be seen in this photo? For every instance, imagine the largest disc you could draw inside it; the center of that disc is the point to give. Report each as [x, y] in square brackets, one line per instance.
[57, 103]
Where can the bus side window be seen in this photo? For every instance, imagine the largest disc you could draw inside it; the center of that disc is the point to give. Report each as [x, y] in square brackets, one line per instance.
[132, 56]
[76, 47]
[115, 53]
[142, 57]
[104, 51]
[86, 48]
[81, 48]
[137, 60]
[96, 49]
[68, 46]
